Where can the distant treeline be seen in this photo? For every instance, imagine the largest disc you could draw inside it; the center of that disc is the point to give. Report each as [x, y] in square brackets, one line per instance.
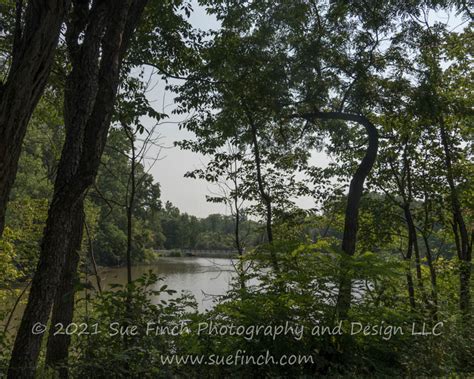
[155, 225]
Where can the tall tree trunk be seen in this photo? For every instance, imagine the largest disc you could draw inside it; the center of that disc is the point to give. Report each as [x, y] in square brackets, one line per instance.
[96, 132]
[238, 242]
[265, 196]
[63, 309]
[463, 243]
[131, 203]
[356, 188]
[45, 282]
[413, 245]
[434, 291]
[80, 159]
[261, 186]
[407, 258]
[80, 92]
[404, 184]
[425, 232]
[411, 288]
[465, 283]
[34, 45]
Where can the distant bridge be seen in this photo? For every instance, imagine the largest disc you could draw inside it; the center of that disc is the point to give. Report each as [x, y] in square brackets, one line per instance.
[222, 253]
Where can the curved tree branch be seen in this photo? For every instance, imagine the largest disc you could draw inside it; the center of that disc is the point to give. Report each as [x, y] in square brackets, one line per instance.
[357, 183]
[356, 188]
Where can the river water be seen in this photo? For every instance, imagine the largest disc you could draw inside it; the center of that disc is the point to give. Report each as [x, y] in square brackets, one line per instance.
[205, 278]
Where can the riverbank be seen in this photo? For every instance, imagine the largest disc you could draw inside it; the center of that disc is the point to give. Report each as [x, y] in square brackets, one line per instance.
[196, 253]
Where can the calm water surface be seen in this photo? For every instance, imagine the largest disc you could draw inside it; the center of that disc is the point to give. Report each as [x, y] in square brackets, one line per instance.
[203, 277]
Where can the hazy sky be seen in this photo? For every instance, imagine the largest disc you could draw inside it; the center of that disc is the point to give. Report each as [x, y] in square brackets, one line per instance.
[189, 195]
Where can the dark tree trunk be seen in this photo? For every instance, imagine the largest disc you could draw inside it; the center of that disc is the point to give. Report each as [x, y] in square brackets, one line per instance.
[413, 245]
[129, 243]
[87, 125]
[130, 200]
[238, 242]
[465, 283]
[32, 56]
[356, 188]
[265, 196]
[261, 186]
[425, 232]
[239, 248]
[46, 280]
[404, 183]
[407, 257]
[80, 92]
[434, 291]
[461, 235]
[411, 288]
[412, 226]
[63, 309]
[96, 132]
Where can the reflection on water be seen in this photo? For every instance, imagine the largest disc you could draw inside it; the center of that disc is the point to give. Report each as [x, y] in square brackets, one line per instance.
[203, 277]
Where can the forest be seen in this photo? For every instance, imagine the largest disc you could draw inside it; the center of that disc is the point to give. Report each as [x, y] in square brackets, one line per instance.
[373, 279]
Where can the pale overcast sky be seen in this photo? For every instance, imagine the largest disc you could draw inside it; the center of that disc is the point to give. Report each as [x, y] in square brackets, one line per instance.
[189, 195]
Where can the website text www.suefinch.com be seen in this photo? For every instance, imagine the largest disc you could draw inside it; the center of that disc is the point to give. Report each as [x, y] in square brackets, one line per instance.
[239, 358]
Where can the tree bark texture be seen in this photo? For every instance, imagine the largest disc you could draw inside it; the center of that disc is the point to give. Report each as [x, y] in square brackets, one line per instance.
[33, 51]
[63, 309]
[89, 100]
